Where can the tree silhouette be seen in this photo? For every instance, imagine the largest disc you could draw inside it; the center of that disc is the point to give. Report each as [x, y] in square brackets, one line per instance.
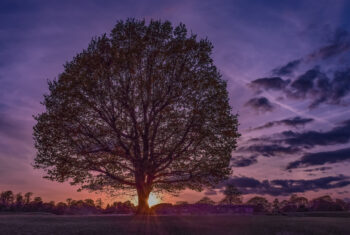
[99, 203]
[178, 203]
[89, 202]
[27, 197]
[19, 201]
[13, 202]
[261, 203]
[275, 206]
[301, 203]
[143, 109]
[232, 195]
[7, 198]
[206, 201]
[69, 201]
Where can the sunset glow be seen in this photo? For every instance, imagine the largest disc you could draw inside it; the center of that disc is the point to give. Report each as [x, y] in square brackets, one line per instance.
[153, 200]
[287, 78]
[175, 117]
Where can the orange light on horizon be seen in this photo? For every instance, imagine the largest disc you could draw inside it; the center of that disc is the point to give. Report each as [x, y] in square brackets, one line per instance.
[152, 200]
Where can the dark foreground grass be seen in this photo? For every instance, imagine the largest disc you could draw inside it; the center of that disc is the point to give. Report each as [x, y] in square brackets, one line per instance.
[255, 225]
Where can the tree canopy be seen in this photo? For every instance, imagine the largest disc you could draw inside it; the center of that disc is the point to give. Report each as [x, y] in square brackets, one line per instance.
[143, 108]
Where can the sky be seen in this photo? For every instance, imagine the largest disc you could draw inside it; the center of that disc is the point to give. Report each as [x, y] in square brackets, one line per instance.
[286, 64]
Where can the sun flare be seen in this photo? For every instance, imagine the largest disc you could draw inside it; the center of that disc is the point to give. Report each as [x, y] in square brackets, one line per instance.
[153, 200]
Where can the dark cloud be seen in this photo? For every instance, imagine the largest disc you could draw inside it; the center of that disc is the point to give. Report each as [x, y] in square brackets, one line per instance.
[321, 158]
[337, 135]
[286, 187]
[305, 83]
[324, 168]
[270, 150]
[261, 104]
[272, 83]
[341, 85]
[286, 69]
[338, 44]
[292, 122]
[313, 84]
[319, 87]
[241, 161]
[296, 121]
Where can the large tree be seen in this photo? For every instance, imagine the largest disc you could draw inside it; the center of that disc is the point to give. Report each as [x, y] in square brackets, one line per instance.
[143, 109]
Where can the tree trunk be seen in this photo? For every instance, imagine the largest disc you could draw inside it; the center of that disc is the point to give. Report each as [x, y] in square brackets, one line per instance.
[143, 194]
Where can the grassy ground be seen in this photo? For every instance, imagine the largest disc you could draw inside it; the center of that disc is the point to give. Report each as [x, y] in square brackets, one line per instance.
[279, 225]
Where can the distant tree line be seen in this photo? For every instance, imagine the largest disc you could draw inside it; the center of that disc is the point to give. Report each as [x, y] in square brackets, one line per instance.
[294, 204]
[10, 202]
[257, 204]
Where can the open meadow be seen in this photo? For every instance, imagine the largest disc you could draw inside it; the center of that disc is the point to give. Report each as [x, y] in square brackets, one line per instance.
[112, 224]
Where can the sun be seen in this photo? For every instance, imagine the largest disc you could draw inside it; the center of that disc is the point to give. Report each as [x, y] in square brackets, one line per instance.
[153, 200]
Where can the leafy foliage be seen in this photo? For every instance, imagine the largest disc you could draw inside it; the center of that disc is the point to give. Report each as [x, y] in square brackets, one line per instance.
[143, 108]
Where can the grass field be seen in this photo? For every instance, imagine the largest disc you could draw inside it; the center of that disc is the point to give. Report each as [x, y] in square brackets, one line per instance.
[109, 224]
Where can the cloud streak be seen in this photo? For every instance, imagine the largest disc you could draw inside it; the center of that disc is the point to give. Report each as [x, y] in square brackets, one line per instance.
[268, 83]
[248, 185]
[291, 122]
[321, 158]
[340, 43]
[241, 161]
[287, 69]
[270, 150]
[338, 135]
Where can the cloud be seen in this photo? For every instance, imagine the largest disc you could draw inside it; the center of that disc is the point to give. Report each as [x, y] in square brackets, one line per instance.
[305, 83]
[261, 104]
[283, 187]
[286, 69]
[319, 87]
[341, 85]
[339, 44]
[313, 84]
[337, 135]
[270, 150]
[324, 168]
[328, 86]
[292, 122]
[321, 158]
[269, 83]
[241, 161]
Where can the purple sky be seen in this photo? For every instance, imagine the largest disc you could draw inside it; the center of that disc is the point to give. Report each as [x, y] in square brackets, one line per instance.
[286, 62]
